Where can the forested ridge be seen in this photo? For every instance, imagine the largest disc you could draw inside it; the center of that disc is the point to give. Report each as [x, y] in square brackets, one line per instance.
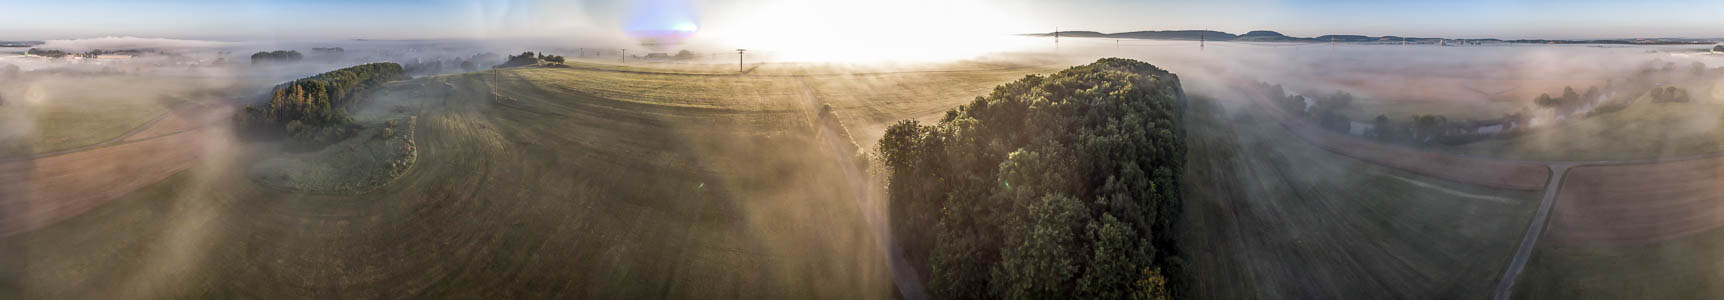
[313, 108]
[1049, 187]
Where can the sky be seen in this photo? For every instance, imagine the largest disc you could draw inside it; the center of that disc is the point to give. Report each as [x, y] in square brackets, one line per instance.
[466, 19]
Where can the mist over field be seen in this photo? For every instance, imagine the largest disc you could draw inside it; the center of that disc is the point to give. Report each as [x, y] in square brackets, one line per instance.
[899, 149]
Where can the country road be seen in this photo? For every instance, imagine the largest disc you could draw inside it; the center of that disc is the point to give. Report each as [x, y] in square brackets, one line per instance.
[1505, 286]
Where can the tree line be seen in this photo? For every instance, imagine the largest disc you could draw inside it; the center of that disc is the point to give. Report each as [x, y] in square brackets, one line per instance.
[313, 108]
[1063, 186]
[89, 54]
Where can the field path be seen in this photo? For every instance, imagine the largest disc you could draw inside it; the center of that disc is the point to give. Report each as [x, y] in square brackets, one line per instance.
[903, 276]
[1505, 286]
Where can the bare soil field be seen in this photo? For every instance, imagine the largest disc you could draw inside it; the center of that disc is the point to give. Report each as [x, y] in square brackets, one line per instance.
[46, 190]
[1638, 203]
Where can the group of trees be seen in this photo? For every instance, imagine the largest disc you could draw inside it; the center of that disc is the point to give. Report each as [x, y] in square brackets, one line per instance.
[1326, 112]
[1570, 102]
[1669, 94]
[313, 108]
[47, 53]
[531, 59]
[278, 56]
[455, 64]
[88, 54]
[1050, 187]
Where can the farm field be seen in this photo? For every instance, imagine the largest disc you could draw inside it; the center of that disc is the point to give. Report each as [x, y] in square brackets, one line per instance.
[1287, 218]
[728, 66]
[67, 114]
[1668, 269]
[1632, 230]
[1363, 110]
[656, 185]
[1643, 130]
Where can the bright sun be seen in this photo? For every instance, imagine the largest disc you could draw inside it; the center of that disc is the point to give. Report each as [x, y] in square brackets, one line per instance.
[885, 30]
[686, 27]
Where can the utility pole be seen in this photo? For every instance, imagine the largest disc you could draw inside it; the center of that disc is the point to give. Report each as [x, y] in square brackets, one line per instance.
[739, 60]
[625, 55]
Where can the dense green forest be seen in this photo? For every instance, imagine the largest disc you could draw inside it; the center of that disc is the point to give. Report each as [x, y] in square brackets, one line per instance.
[1064, 186]
[312, 108]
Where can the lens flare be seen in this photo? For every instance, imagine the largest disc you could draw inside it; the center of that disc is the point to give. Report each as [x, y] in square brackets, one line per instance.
[659, 24]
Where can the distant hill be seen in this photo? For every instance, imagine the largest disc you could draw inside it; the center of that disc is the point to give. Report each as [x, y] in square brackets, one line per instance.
[1271, 36]
[1191, 35]
[1265, 36]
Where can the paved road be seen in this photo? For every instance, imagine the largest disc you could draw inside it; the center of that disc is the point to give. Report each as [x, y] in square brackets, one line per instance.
[1506, 285]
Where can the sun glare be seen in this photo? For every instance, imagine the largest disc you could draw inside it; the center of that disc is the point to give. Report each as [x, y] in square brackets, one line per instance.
[855, 31]
[686, 27]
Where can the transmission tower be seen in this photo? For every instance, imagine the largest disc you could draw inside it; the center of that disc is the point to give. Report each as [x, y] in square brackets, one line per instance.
[739, 60]
[1056, 38]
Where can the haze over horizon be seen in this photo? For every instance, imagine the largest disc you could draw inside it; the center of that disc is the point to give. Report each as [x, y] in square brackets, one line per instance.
[750, 20]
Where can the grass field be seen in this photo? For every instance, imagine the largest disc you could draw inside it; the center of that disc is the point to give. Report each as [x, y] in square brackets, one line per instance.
[374, 157]
[67, 114]
[1364, 110]
[1643, 130]
[1673, 269]
[1268, 215]
[753, 67]
[575, 182]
